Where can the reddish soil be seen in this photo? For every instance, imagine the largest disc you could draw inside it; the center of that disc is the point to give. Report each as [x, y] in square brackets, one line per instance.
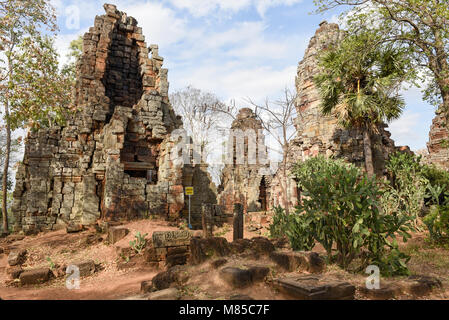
[110, 282]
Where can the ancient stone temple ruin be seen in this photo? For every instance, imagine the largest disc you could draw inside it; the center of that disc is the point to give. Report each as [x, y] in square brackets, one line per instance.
[112, 159]
[438, 145]
[319, 134]
[246, 176]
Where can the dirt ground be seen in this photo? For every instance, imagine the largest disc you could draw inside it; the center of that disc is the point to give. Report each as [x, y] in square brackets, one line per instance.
[57, 248]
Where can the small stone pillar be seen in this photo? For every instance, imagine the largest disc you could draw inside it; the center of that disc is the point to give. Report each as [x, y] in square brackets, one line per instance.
[207, 220]
[238, 221]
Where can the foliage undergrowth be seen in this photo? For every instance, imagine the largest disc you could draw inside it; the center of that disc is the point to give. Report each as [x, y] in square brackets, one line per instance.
[139, 243]
[341, 210]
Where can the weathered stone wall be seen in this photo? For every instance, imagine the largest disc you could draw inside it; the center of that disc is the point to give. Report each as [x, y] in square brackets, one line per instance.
[245, 181]
[205, 192]
[438, 145]
[320, 134]
[169, 247]
[111, 160]
[283, 189]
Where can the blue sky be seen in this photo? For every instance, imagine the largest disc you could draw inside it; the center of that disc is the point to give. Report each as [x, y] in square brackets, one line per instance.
[233, 48]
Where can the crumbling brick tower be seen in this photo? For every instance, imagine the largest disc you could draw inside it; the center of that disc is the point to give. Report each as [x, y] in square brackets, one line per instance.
[438, 145]
[321, 134]
[246, 180]
[112, 159]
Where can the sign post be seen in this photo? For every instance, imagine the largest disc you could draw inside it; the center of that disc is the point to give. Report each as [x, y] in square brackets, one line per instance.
[189, 192]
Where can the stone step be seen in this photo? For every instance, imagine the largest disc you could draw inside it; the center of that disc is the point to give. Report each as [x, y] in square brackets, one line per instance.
[306, 287]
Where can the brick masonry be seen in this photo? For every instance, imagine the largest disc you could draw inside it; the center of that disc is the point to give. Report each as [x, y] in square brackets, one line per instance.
[111, 159]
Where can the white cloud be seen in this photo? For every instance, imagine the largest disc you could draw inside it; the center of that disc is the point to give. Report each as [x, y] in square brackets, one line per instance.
[263, 5]
[233, 81]
[403, 130]
[159, 22]
[201, 8]
[62, 44]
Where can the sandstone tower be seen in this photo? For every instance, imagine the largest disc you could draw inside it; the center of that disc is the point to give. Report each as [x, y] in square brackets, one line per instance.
[111, 160]
[319, 134]
[438, 145]
[246, 179]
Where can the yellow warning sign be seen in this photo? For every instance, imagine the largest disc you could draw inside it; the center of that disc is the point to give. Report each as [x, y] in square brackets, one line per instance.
[189, 191]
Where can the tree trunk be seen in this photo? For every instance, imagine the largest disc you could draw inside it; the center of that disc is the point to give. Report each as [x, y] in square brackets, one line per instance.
[284, 169]
[368, 150]
[5, 171]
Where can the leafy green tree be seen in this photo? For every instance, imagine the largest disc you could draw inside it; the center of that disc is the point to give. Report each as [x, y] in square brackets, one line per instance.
[14, 153]
[359, 83]
[33, 92]
[419, 26]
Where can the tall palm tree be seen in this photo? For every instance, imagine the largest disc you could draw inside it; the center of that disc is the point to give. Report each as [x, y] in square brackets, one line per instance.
[359, 82]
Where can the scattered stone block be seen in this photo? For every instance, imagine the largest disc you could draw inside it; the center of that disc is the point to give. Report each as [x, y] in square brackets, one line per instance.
[173, 276]
[240, 245]
[155, 254]
[146, 286]
[418, 285]
[176, 259]
[203, 249]
[35, 276]
[14, 272]
[87, 268]
[177, 250]
[116, 234]
[315, 288]
[236, 277]
[262, 245]
[218, 263]
[171, 238]
[299, 260]
[385, 292]
[17, 257]
[258, 273]
[166, 294]
[74, 228]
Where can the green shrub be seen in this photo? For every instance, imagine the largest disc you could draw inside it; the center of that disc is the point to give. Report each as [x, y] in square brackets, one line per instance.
[340, 210]
[279, 224]
[439, 180]
[407, 188]
[294, 227]
[139, 243]
[437, 222]
[414, 185]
